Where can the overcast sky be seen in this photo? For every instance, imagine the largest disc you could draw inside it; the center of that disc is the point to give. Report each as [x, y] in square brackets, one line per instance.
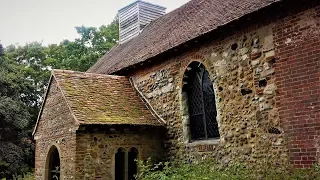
[51, 21]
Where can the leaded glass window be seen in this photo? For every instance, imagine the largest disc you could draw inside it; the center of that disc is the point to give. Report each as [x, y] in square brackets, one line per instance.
[202, 105]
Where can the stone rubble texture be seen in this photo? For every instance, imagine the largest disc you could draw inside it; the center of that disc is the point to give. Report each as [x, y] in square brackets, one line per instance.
[245, 110]
[95, 151]
[267, 94]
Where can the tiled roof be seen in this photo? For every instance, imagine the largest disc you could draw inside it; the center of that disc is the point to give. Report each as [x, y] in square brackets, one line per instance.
[191, 20]
[103, 99]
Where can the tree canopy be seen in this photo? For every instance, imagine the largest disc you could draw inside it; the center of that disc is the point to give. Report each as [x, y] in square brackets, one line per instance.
[83, 52]
[24, 75]
[15, 118]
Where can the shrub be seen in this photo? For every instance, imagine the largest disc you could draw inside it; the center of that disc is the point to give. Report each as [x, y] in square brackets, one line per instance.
[208, 170]
[26, 176]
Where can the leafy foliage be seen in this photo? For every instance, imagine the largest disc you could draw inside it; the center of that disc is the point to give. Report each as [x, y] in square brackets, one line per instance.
[83, 52]
[30, 60]
[208, 169]
[15, 141]
[24, 75]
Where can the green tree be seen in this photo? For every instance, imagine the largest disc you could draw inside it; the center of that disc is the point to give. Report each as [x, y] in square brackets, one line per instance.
[83, 52]
[31, 58]
[15, 141]
[24, 75]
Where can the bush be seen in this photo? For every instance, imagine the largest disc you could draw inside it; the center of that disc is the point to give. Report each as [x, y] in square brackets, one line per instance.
[209, 170]
[27, 176]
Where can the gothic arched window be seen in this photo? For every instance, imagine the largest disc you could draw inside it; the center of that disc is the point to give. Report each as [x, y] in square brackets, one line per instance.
[132, 164]
[201, 101]
[125, 164]
[120, 164]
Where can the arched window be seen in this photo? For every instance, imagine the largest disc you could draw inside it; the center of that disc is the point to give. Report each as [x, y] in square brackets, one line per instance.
[201, 102]
[53, 164]
[132, 164]
[125, 164]
[120, 164]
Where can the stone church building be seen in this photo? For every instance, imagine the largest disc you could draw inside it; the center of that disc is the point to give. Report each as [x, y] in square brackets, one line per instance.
[237, 81]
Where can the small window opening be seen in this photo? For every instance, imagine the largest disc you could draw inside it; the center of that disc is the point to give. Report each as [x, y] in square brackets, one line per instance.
[120, 165]
[132, 164]
[126, 167]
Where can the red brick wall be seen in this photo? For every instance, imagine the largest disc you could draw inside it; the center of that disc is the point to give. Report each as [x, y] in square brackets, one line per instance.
[56, 127]
[298, 81]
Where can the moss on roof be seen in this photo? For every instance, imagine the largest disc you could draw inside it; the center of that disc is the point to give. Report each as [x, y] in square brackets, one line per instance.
[103, 99]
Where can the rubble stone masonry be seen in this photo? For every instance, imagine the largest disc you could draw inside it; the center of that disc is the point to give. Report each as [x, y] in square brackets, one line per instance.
[266, 81]
[96, 151]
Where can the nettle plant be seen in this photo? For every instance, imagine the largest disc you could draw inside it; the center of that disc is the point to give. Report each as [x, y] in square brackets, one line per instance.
[209, 169]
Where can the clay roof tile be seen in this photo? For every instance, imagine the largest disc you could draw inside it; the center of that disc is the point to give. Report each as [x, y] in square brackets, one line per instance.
[191, 20]
[103, 99]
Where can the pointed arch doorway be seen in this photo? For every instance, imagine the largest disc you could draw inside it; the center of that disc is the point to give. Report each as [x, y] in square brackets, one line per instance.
[53, 165]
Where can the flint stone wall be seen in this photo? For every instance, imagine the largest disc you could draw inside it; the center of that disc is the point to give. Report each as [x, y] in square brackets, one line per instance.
[266, 81]
[242, 71]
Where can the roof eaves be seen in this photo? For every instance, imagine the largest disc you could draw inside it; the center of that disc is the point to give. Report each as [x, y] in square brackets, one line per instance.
[116, 68]
[119, 124]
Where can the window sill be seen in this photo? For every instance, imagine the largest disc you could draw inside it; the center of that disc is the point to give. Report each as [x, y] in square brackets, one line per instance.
[203, 142]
